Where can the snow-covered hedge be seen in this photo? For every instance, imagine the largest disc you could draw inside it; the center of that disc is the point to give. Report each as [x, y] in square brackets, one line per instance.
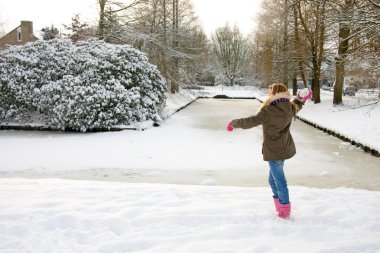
[80, 86]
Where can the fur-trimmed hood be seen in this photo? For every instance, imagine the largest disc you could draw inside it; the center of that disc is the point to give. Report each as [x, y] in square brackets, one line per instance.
[279, 95]
[275, 97]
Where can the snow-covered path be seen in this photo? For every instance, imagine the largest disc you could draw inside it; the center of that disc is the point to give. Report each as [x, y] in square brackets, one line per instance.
[192, 147]
[50, 215]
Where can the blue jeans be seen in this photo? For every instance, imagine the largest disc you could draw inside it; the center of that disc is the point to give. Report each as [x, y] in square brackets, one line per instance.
[278, 182]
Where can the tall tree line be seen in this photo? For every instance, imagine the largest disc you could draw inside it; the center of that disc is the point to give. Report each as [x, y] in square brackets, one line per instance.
[299, 39]
[167, 30]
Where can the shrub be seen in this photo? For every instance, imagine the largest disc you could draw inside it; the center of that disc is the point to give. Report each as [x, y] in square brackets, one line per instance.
[82, 86]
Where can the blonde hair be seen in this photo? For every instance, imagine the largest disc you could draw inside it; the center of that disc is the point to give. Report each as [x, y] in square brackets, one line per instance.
[277, 88]
[274, 89]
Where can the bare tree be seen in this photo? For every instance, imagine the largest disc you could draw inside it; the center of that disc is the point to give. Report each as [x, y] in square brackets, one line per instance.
[231, 51]
[358, 39]
[312, 17]
[266, 42]
[307, 39]
[110, 8]
[167, 30]
[365, 36]
[278, 47]
[299, 48]
[345, 13]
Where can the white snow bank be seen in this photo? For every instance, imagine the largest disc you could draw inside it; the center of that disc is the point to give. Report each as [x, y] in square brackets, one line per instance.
[176, 101]
[352, 119]
[233, 92]
[52, 215]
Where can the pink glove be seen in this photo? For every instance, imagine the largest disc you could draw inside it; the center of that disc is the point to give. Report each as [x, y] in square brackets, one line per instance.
[229, 127]
[305, 94]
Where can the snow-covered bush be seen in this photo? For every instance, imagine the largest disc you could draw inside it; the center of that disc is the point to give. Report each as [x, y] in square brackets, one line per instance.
[82, 86]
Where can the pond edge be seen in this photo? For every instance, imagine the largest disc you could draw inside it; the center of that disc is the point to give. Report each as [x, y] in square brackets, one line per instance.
[356, 143]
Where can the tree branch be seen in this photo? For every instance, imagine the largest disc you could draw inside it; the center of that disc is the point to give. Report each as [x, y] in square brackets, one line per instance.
[374, 4]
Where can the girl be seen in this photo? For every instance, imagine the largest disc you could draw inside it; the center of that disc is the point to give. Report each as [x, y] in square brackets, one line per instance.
[276, 114]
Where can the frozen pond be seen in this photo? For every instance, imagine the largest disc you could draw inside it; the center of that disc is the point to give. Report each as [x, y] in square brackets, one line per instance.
[192, 147]
[321, 160]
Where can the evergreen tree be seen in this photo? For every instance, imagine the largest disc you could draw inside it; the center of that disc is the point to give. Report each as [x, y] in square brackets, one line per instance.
[78, 29]
[49, 33]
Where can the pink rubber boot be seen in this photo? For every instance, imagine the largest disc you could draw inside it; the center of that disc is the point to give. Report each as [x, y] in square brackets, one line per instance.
[276, 203]
[284, 210]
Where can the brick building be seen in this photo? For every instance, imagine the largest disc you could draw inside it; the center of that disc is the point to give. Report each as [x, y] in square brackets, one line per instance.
[19, 36]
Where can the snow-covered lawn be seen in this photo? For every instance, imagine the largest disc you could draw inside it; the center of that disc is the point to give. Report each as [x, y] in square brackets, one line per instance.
[52, 215]
[358, 118]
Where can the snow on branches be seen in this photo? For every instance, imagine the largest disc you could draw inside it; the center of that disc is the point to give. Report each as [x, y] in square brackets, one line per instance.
[82, 86]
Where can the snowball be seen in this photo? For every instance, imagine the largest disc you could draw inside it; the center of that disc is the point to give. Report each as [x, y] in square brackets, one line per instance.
[304, 92]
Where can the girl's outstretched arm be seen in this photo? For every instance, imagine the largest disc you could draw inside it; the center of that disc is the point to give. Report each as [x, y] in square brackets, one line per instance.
[249, 122]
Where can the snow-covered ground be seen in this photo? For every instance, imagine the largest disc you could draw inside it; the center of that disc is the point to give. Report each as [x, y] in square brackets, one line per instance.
[358, 118]
[55, 215]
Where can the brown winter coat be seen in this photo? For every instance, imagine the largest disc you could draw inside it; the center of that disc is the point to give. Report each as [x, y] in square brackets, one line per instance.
[276, 120]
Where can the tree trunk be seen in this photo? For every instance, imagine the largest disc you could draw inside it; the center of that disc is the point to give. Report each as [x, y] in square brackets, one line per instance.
[267, 59]
[175, 86]
[286, 42]
[102, 6]
[294, 85]
[339, 79]
[344, 33]
[297, 43]
[232, 81]
[316, 81]
[321, 30]
[164, 58]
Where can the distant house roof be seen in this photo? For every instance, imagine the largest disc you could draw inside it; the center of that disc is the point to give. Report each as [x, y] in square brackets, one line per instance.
[19, 36]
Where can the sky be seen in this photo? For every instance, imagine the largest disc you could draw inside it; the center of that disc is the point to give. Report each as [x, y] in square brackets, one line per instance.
[212, 13]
